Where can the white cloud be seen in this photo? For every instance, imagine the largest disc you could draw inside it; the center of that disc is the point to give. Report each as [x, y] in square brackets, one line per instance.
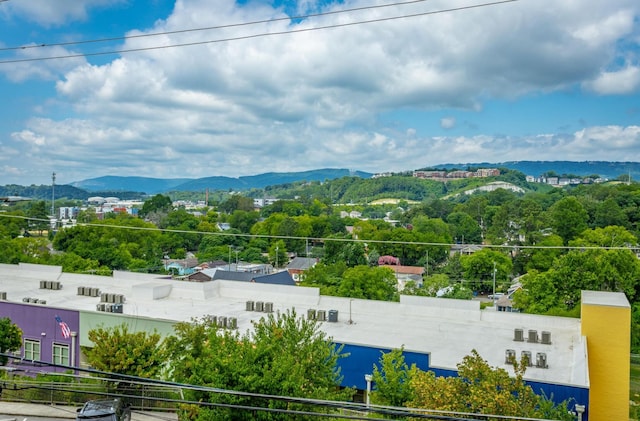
[47, 12]
[40, 69]
[313, 99]
[623, 81]
[448, 122]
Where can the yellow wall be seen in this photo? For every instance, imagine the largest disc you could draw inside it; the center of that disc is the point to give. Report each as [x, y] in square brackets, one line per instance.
[606, 321]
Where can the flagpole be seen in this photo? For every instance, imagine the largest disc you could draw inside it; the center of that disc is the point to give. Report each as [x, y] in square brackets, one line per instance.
[74, 334]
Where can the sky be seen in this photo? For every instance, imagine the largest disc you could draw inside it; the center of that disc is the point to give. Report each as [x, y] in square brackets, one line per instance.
[195, 88]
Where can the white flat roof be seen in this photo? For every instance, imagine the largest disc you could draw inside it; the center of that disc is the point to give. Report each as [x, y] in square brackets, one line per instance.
[446, 329]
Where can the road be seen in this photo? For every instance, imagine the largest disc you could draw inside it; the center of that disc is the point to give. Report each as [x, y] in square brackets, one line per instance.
[16, 411]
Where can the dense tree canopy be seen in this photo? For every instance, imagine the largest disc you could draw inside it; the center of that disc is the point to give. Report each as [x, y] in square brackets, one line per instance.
[117, 350]
[284, 355]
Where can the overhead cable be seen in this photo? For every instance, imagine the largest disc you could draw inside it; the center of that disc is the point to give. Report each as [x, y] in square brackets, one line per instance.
[329, 239]
[259, 35]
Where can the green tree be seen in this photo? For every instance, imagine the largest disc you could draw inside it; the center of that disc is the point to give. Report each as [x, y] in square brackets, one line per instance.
[10, 338]
[392, 380]
[464, 228]
[479, 266]
[278, 254]
[158, 204]
[568, 218]
[39, 216]
[284, 355]
[482, 389]
[117, 350]
[236, 202]
[372, 283]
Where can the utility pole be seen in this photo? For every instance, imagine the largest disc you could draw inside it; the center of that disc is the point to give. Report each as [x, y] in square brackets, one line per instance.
[427, 262]
[53, 196]
[494, 283]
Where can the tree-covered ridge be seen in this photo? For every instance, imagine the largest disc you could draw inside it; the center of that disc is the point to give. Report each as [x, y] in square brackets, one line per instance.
[553, 242]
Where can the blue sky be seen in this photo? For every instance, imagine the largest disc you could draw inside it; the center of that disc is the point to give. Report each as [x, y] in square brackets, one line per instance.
[522, 80]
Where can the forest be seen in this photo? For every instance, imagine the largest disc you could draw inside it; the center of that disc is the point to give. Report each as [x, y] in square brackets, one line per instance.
[554, 241]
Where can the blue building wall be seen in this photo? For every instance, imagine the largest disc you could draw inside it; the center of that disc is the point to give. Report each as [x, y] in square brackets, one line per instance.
[361, 359]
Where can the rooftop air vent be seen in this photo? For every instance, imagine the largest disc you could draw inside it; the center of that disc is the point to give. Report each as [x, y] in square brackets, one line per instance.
[250, 305]
[518, 335]
[541, 360]
[546, 338]
[232, 323]
[509, 356]
[526, 356]
[533, 336]
[3, 295]
[333, 316]
[268, 307]
[311, 314]
[222, 321]
[321, 315]
[259, 306]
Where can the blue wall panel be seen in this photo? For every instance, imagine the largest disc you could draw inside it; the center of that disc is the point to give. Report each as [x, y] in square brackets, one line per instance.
[361, 359]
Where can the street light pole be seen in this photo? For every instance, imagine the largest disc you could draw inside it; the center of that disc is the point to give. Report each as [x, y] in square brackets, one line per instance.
[368, 378]
[494, 282]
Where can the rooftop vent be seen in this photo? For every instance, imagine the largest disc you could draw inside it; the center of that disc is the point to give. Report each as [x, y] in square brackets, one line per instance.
[541, 360]
[333, 316]
[50, 285]
[546, 338]
[250, 305]
[232, 323]
[533, 336]
[268, 307]
[259, 306]
[526, 356]
[509, 356]
[311, 314]
[222, 321]
[321, 315]
[518, 335]
[3, 295]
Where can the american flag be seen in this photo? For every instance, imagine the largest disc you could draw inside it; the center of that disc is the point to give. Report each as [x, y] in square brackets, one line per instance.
[66, 332]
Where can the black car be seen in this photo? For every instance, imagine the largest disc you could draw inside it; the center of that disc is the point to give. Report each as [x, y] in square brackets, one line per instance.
[105, 410]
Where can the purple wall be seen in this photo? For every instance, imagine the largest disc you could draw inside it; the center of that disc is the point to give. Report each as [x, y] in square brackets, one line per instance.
[38, 323]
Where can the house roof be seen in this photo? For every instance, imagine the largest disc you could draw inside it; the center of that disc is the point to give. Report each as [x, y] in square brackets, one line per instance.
[302, 263]
[278, 278]
[233, 275]
[405, 270]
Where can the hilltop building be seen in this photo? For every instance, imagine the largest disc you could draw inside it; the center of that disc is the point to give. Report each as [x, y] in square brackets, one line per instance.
[586, 359]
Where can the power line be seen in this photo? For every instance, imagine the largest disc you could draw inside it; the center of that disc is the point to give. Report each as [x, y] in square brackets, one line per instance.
[329, 404]
[329, 239]
[259, 35]
[208, 28]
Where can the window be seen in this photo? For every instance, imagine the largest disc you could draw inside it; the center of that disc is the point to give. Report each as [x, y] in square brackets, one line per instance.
[31, 350]
[60, 354]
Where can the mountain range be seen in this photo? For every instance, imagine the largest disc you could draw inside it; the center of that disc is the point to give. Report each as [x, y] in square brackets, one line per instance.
[259, 181]
[117, 185]
[604, 169]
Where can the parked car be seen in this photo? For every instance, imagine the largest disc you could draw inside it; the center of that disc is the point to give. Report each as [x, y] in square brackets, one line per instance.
[495, 296]
[104, 410]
